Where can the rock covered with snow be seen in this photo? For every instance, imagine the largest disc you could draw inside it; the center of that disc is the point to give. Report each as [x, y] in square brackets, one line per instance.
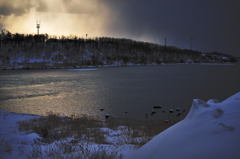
[211, 130]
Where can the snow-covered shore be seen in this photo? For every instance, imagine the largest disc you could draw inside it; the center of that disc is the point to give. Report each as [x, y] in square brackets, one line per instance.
[211, 130]
[13, 143]
[16, 144]
[24, 136]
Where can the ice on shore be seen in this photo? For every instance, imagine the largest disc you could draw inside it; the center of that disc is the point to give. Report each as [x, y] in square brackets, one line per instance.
[211, 130]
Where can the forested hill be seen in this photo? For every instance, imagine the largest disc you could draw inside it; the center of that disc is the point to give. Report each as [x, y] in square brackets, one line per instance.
[43, 51]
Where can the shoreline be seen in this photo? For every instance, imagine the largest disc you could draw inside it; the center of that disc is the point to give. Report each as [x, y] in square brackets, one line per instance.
[46, 67]
[209, 125]
[32, 136]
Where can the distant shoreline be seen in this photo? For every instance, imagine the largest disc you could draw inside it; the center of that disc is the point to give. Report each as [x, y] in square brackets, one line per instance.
[38, 66]
[20, 51]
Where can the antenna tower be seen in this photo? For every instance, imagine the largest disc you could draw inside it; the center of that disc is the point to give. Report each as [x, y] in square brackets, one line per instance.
[38, 27]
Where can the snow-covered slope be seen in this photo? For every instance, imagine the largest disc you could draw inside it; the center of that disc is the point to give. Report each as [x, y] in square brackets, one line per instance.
[211, 130]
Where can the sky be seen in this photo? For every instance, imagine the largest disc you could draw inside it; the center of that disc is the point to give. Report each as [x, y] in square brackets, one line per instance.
[204, 25]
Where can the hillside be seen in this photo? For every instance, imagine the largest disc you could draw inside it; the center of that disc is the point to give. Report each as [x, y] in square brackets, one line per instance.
[44, 51]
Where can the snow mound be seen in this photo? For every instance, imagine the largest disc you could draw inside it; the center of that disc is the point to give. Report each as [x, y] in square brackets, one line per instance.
[211, 130]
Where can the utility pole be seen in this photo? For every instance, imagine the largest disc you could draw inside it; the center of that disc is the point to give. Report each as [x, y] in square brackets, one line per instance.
[191, 43]
[165, 42]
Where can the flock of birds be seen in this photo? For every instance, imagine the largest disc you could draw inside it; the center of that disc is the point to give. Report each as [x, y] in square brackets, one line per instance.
[156, 109]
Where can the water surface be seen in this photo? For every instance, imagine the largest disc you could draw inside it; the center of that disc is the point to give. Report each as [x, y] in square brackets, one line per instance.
[125, 89]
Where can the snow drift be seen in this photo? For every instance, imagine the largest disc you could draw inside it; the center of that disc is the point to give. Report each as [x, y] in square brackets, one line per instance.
[211, 130]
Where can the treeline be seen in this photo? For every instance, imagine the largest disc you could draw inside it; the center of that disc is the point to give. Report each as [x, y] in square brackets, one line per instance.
[39, 51]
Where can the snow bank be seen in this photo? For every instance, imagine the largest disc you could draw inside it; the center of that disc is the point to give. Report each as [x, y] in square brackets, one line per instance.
[211, 130]
[13, 143]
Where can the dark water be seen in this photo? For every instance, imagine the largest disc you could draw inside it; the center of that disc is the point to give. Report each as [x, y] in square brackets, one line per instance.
[131, 89]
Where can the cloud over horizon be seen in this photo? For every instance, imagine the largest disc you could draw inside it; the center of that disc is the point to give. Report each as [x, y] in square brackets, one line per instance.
[61, 17]
[212, 25]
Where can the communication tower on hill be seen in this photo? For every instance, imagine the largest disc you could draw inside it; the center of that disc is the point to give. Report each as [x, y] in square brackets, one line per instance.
[38, 27]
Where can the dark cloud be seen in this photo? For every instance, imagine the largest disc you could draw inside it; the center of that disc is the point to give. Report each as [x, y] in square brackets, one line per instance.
[82, 6]
[8, 10]
[212, 24]
[4, 10]
[68, 6]
[13, 7]
[41, 6]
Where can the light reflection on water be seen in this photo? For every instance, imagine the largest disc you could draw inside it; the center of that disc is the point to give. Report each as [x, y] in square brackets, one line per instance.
[131, 89]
